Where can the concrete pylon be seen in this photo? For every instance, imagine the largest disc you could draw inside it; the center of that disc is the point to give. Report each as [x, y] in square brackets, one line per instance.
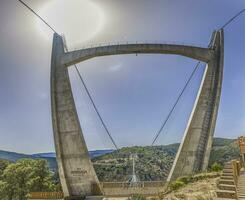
[76, 171]
[194, 151]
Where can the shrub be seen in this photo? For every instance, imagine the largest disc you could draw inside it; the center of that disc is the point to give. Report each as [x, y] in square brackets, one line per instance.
[216, 167]
[137, 197]
[176, 185]
[185, 179]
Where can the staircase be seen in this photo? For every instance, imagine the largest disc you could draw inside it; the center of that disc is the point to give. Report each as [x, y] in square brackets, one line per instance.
[227, 186]
[241, 185]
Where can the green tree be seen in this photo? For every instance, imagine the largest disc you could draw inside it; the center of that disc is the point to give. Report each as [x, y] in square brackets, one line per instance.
[41, 177]
[3, 165]
[26, 176]
[3, 191]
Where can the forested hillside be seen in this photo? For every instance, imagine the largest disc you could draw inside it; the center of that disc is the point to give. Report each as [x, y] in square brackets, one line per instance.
[152, 163]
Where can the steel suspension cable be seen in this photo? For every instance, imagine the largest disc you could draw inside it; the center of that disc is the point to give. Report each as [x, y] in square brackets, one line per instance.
[171, 111]
[175, 104]
[233, 18]
[80, 76]
[37, 15]
[95, 108]
[92, 101]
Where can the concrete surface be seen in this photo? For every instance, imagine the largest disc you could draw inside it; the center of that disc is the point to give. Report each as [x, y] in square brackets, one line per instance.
[194, 151]
[77, 174]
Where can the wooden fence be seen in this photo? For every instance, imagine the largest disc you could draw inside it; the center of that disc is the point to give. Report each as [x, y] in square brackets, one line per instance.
[110, 189]
[46, 195]
[127, 184]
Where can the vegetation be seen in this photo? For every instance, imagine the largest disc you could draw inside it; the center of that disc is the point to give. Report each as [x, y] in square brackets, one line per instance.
[154, 163]
[137, 197]
[18, 179]
[182, 181]
[20, 176]
[175, 185]
[223, 150]
[216, 167]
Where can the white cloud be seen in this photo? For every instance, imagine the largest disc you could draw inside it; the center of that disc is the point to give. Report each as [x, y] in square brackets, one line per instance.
[42, 95]
[115, 68]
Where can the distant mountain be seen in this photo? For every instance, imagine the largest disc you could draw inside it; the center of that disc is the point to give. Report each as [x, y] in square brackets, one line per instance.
[97, 153]
[47, 155]
[50, 157]
[92, 154]
[152, 163]
[12, 156]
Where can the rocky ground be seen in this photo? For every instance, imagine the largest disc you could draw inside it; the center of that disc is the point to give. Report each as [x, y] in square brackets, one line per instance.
[201, 190]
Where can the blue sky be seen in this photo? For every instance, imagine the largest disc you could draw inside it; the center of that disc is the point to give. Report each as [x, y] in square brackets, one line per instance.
[133, 93]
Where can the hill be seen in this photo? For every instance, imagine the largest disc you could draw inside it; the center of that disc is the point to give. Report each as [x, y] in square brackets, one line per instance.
[152, 163]
[12, 156]
[50, 157]
[224, 150]
[92, 154]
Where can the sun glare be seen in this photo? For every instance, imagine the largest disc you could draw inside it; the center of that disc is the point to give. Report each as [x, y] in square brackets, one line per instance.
[78, 20]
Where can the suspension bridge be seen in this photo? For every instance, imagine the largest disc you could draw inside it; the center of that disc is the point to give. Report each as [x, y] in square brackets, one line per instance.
[75, 168]
[77, 175]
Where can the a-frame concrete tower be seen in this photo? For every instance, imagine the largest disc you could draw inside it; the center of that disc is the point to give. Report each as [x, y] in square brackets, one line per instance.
[76, 171]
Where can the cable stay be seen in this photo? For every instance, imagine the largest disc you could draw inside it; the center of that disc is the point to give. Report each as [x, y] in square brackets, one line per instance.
[175, 104]
[171, 111]
[233, 18]
[95, 108]
[91, 99]
[37, 15]
[80, 76]
[134, 181]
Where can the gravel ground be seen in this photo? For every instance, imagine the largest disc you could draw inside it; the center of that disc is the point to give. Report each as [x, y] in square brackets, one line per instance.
[201, 190]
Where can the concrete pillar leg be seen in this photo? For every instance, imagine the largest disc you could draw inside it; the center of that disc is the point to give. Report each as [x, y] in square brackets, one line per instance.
[194, 151]
[77, 175]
